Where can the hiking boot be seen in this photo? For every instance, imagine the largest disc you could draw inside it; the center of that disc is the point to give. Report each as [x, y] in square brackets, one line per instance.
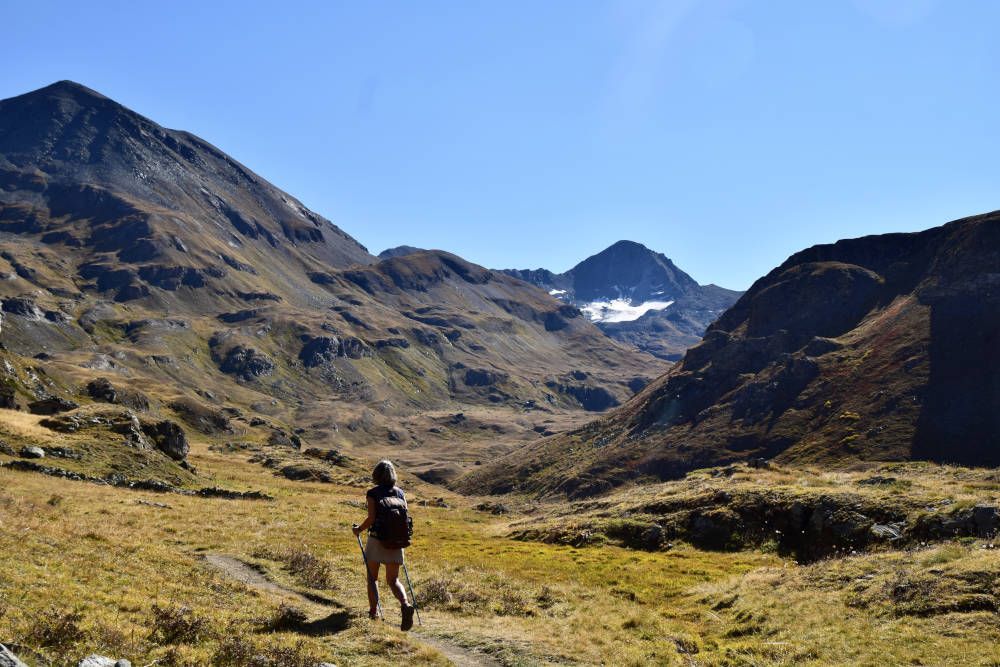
[373, 614]
[407, 618]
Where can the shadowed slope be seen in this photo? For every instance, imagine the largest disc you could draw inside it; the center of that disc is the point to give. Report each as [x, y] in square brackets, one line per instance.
[883, 347]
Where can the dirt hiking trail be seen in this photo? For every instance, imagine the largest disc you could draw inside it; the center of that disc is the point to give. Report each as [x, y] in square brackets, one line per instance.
[327, 622]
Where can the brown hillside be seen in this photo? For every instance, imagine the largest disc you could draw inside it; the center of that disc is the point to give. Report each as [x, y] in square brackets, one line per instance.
[149, 257]
[879, 348]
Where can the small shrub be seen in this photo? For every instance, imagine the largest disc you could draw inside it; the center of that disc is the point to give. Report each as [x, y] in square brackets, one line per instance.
[296, 655]
[546, 598]
[234, 651]
[55, 500]
[237, 651]
[286, 617]
[177, 625]
[56, 628]
[436, 593]
[512, 602]
[310, 570]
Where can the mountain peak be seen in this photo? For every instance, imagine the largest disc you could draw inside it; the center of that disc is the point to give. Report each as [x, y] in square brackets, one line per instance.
[81, 140]
[66, 90]
[625, 244]
[70, 87]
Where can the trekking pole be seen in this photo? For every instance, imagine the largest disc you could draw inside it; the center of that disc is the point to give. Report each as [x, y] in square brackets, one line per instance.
[413, 597]
[368, 575]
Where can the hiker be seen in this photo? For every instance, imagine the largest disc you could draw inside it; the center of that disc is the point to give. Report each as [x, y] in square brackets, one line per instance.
[384, 538]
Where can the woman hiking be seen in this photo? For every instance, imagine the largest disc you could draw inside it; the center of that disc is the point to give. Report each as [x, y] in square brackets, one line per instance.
[386, 503]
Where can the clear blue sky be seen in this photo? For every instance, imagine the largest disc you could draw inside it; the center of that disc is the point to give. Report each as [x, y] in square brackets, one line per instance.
[727, 135]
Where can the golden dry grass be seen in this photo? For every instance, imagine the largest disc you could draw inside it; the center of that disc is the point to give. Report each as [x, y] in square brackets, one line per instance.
[95, 550]
[24, 425]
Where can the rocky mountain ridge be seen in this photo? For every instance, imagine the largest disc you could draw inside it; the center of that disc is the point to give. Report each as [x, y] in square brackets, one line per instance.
[877, 348]
[637, 296]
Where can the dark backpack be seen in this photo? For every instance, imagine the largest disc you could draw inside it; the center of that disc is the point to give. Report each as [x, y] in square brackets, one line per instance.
[393, 525]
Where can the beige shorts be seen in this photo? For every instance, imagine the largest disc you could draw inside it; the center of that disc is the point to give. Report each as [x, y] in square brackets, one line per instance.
[376, 552]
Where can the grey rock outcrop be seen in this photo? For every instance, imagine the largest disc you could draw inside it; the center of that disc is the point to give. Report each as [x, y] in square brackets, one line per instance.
[102, 661]
[8, 659]
[32, 453]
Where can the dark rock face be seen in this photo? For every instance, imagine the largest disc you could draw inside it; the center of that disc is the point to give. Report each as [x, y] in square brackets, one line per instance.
[355, 348]
[169, 438]
[240, 316]
[593, 399]
[246, 363]
[101, 389]
[23, 307]
[482, 377]
[392, 342]
[8, 397]
[322, 350]
[877, 348]
[52, 405]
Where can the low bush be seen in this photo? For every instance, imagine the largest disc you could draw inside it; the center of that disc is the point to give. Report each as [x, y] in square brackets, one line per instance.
[178, 625]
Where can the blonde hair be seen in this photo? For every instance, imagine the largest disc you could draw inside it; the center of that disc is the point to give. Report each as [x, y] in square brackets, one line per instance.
[384, 473]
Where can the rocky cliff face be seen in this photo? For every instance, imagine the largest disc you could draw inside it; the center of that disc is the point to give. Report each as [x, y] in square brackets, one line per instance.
[882, 348]
[637, 296]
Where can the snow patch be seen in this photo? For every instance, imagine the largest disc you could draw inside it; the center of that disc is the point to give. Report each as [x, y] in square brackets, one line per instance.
[620, 310]
[557, 292]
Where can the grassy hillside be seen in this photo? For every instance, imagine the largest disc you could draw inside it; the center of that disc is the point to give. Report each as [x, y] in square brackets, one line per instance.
[87, 568]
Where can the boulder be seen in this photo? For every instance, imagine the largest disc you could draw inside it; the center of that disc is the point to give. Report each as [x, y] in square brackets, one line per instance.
[7, 449]
[987, 520]
[329, 455]
[169, 438]
[32, 453]
[101, 661]
[8, 659]
[355, 348]
[304, 473]
[883, 531]
[128, 424]
[319, 351]
[52, 405]
[8, 397]
[102, 390]
[653, 537]
[246, 363]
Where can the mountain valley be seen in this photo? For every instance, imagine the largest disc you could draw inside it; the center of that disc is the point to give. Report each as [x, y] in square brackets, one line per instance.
[612, 465]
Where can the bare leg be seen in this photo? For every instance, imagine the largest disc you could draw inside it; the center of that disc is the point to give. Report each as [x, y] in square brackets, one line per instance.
[373, 587]
[395, 585]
